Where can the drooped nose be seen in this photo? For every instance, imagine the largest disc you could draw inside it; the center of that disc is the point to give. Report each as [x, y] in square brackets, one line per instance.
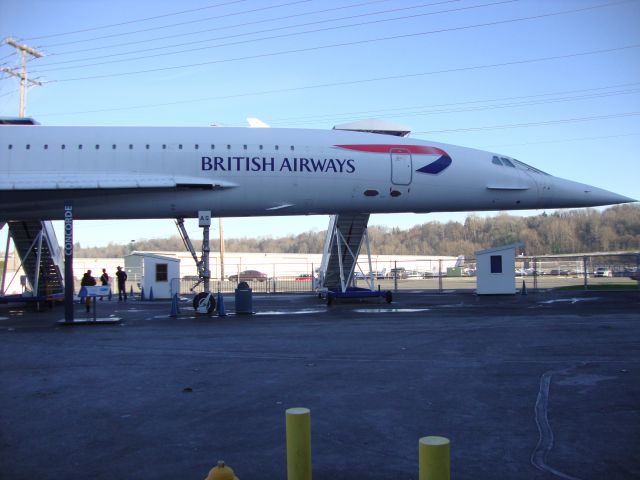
[568, 194]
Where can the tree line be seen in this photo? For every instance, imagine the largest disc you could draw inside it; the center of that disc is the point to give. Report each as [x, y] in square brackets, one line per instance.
[573, 231]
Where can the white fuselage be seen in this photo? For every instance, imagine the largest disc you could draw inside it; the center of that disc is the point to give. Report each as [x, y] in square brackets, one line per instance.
[169, 172]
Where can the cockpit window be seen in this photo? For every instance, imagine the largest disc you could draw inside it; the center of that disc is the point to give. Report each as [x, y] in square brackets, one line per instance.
[496, 160]
[529, 167]
[507, 162]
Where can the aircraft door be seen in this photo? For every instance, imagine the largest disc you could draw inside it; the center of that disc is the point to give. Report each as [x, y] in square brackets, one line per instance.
[401, 166]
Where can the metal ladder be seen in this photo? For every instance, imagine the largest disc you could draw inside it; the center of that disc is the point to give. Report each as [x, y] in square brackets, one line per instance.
[345, 237]
[40, 256]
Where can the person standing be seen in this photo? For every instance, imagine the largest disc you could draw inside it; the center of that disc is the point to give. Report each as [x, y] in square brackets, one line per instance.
[122, 286]
[104, 279]
[88, 281]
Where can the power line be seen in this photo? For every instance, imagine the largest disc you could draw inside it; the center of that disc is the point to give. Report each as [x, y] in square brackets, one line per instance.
[134, 21]
[218, 28]
[402, 112]
[243, 34]
[199, 20]
[581, 139]
[531, 124]
[352, 82]
[343, 44]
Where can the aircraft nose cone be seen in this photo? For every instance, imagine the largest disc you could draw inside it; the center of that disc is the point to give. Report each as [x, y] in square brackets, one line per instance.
[566, 193]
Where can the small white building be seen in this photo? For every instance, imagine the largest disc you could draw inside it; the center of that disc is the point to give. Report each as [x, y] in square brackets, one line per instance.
[148, 270]
[496, 270]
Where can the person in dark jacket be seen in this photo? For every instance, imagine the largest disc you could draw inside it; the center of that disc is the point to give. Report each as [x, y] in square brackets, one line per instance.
[88, 281]
[122, 286]
[104, 279]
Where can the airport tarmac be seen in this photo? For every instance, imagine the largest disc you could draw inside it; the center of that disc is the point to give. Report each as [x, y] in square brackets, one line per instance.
[541, 386]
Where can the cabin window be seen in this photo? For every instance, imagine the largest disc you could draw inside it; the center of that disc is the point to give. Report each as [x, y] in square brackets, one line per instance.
[228, 147]
[277, 147]
[147, 146]
[10, 146]
[63, 146]
[197, 146]
[213, 147]
[46, 147]
[244, 147]
[28, 147]
[130, 147]
[97, 147]
[496, 160]
[113, 146]
[80, 147]
[292, 147]
[260, 147]
[180, 146]
[164, 147]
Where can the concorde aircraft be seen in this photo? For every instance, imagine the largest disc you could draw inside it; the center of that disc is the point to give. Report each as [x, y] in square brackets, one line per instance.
[349, 172]
[170, 172]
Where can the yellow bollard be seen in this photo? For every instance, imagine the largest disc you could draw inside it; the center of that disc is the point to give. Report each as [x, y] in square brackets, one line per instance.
[434, 458]
[298, 443]
[221, 472]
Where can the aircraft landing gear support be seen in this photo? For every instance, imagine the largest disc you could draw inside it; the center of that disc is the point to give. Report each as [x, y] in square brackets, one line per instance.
[203, 302]
[346, 236]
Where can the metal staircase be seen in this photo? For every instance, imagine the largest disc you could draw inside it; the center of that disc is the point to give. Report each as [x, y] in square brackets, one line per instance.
[345, 237]
[40, 255]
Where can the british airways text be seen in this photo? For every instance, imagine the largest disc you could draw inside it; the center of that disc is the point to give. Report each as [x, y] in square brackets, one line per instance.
[272, 164]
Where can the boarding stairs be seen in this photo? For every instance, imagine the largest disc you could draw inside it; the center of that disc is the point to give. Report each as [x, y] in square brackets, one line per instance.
[346, 235]
[40, 255]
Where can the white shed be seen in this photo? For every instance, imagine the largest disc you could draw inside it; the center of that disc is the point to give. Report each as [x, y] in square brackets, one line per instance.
[148, 270]
[496, 270]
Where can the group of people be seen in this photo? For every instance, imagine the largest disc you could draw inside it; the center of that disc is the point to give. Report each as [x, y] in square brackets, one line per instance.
[121, 276]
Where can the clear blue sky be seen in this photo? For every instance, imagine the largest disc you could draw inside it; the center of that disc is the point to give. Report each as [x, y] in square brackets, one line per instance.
[554, 83]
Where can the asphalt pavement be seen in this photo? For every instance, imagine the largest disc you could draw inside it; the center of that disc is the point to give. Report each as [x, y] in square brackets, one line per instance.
[538, 386]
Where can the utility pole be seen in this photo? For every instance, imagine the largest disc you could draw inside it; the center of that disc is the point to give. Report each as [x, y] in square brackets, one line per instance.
[221, 250]
[23, 72]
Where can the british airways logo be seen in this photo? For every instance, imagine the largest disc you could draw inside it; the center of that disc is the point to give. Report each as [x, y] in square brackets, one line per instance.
[432, 168]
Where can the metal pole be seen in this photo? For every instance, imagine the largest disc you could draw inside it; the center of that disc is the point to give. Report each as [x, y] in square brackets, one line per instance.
[395, 276]
[36, 285]
[584, 270]
[6, 261]
[206, 273]
[221, 249]
[440, 275]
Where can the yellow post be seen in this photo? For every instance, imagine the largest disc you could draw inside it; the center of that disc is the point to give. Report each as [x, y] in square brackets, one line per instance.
[298, 443]
[434, 458]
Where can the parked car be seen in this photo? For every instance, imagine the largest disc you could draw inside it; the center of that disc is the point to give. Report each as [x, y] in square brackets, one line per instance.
[602, 272]
[304, 276]
[248, 276]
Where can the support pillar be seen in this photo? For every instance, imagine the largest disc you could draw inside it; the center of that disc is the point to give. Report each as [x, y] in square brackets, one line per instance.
[68, 264]
[6, 262]
[204, 221]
